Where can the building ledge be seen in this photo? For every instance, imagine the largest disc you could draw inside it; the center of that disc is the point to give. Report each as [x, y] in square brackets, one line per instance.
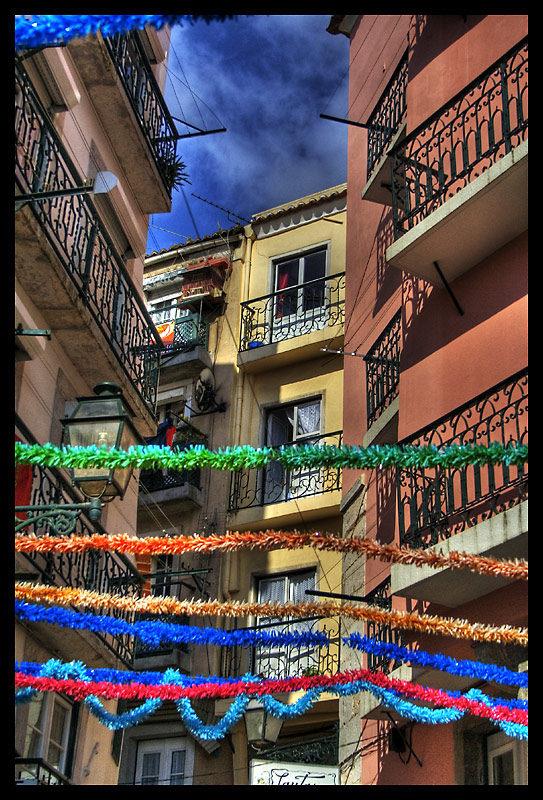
[284, 514]
[504, 535]
[290, 351]
[482, 217]
[385, 428]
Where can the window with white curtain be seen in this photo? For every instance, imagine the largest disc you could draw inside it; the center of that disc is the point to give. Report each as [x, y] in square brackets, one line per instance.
[298, 423]
[284, 660]
[164, 762]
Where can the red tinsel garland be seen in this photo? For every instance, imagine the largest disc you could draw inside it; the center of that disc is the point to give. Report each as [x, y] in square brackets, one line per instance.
[79, 690]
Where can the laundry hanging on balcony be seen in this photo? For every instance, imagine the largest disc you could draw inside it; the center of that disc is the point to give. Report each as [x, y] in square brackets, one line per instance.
[164, 434]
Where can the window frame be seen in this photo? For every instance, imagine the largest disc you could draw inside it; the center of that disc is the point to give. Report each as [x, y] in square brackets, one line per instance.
[274, 472]
[278, 322]
[165, 747]
[498, 744]
[48, 702]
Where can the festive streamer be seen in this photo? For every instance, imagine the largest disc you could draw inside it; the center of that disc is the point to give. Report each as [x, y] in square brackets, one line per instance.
[34, 30]
[232, 541]
[157, 632]
[437, 661]
[127, 719]
[494, 709]
[387, 456]
[459, 629]
[280, 710]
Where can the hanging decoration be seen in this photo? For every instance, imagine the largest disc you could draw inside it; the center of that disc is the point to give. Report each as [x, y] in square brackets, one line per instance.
[157, 633]
[494, 709]
[459, 629]
[267, 540]
[385, 456]
[35, 30]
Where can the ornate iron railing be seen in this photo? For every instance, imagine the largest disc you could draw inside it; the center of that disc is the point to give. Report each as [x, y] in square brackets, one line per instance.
[434, 504]
[465, 137]
[323, 749]
[311, 306]
[100, 571]
[387, 116]
[382, 597]
[37, 772]
[287, 660]
[154, 481]
[146, 99]
[383, 370]
[276, 484]
[80, 240]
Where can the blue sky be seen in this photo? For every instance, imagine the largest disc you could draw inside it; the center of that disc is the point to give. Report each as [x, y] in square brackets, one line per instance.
[266, 79]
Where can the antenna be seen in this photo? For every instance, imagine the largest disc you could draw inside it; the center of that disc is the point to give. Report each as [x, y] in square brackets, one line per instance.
[221, 208]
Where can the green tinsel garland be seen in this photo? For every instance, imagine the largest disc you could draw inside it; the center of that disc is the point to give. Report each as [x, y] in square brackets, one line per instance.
[151, 457]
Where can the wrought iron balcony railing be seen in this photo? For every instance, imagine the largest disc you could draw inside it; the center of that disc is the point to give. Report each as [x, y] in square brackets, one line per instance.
[287, 660]
[276, 484]
[155, 481]
[474, 130]
[105, 572]
[434, 504]
[382, 598]
[387, 116]
[37, 772]
[383, 370]
[293, 311]
[81, 242]
[146, 99]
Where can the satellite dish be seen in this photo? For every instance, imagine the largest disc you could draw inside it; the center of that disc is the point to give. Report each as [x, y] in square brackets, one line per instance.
[104, 182]
[204, 392]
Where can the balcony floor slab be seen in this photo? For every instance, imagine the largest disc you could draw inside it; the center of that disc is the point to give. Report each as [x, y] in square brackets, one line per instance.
[476, 222]
[503, 536]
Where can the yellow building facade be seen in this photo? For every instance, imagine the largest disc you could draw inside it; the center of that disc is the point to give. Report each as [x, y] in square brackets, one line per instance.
[287, 390]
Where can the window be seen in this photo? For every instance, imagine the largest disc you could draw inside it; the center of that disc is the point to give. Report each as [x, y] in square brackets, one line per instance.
[299, 423]
[48, 729]
[164, 762]
[507, 761]
[285, 660]
[300, 291]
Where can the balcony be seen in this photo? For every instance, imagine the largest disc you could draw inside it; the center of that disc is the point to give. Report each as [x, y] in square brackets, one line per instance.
[281, 494]
[286, 660]
[118, 77]
[291, 324]
[68, 264]
[382, 380]
[386, 127]
[459, 181]
[37, 772]
[185, 342]
[100, 571]
[475, 509]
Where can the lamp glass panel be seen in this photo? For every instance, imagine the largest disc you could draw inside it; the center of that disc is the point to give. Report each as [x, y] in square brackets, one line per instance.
[254, 723]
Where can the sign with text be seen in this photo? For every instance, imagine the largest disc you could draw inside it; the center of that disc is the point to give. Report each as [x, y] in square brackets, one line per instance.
[279, 773]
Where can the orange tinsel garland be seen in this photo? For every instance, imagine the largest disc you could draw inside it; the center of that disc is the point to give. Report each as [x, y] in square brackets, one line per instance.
[122, 543]
[459, 629]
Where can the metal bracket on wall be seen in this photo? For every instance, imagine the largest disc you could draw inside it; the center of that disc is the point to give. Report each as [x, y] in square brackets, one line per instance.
[448, 288]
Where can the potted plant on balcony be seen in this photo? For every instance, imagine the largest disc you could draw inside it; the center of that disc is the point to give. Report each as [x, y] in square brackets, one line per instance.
[173, 171]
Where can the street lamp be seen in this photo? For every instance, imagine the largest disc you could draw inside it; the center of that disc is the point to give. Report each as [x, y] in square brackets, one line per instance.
[103, 420]
[262, 728]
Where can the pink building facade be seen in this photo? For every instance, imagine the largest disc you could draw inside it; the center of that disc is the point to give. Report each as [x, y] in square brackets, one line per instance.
[436, 303]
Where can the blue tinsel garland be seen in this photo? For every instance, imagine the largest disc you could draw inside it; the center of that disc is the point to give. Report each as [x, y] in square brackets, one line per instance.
[155, 632]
